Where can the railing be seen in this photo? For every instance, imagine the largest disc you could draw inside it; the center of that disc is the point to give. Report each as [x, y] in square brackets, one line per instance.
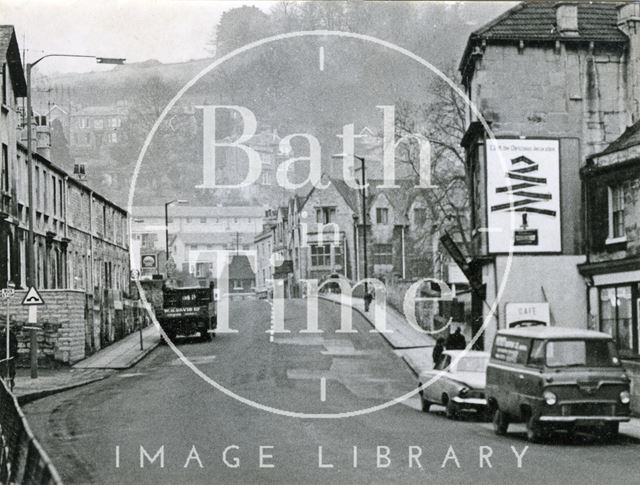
[22, 459]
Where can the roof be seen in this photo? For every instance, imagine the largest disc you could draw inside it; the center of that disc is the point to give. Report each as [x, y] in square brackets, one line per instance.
[536, 21]
[226, 237]
[629, 138]
[199, 211]
[545, 332]
[349, 194]
[10, 53]
[399, 198]
[240, 268]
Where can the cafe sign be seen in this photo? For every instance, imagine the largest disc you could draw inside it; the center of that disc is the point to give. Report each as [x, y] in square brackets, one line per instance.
[527, 314]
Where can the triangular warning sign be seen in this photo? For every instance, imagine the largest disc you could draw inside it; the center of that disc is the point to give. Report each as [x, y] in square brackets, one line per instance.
[32, 297]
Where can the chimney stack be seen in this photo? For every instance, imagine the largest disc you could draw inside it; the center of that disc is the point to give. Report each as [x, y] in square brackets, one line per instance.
[567, 18]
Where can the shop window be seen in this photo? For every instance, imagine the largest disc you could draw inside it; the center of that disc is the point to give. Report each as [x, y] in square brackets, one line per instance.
[616, 315]
[616, 212]
[382, 254]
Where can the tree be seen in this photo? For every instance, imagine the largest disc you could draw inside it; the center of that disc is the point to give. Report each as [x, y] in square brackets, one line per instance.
[443, 123]
[238, 27]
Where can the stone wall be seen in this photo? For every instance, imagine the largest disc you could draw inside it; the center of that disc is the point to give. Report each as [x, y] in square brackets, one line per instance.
[73, 324]
[62, 322]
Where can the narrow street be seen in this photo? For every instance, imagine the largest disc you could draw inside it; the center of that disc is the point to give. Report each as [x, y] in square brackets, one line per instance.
[161, 402]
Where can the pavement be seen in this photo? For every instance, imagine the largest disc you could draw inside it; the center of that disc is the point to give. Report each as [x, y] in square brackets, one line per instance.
[415, 347]
[120, 355]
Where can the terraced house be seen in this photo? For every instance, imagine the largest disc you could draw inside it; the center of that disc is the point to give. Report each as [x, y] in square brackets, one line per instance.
[558, 83]
[81, 238]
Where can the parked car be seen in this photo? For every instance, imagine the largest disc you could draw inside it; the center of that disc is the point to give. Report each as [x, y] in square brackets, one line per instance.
[459, 382]
[556, 378]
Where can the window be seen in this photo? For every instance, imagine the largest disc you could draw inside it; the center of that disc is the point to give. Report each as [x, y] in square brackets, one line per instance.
[61, 196]
[5, 168]
[419, 216]
[203, 220]
[616, 212]
[202, 270]
[55, 195]
[382, 254]
[382, 215]
[511, 349]
[266, 177]
[536, 356]
[337, 255]
[237, 285]
[4, 83]
[112, 138]
[589, 353]
[321, 255]
[616, 315]
[325, 215]
[98, 124]
[188, 220]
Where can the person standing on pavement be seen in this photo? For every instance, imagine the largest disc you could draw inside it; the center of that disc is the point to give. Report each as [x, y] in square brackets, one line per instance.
[456, 340]
[436, 355]
[368, 298]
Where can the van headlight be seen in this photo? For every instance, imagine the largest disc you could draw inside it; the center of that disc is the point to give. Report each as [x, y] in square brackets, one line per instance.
[550, 398]
[463, 392]
[625, 397]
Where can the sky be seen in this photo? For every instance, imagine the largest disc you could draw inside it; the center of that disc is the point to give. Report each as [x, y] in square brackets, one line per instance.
[138, 30]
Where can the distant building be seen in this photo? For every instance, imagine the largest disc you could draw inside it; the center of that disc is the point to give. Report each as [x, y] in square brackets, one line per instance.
[94, 127]
[196, 233]
[242, 278]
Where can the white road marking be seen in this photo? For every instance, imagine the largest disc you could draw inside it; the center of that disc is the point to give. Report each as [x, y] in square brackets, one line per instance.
[323, 389]
[271, 331]
[489, 229]
[321, 60]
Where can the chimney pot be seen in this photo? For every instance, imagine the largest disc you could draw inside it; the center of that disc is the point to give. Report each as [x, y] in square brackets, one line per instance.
[567, 18]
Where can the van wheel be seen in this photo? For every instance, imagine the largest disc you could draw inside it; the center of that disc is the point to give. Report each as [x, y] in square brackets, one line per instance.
[610, 431]
[205, 336]
[451, 410]
[500, 422]
[535, 430]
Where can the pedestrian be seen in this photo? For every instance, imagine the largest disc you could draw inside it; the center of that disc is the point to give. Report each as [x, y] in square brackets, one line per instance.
[456, 340]
[436, 355]
[368, 298]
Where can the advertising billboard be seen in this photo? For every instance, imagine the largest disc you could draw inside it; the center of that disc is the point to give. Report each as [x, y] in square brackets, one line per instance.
[523, 180]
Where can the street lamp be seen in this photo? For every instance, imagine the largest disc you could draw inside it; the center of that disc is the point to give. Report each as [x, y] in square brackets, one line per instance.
[166, 222]
[31, 268]
[364, 214]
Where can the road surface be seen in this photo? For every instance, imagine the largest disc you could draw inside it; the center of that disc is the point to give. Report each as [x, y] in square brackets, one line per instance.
[160, 409]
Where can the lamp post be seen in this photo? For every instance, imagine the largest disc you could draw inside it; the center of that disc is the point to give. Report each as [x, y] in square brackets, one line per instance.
[166, 223]
[363, 191]
[31, 269]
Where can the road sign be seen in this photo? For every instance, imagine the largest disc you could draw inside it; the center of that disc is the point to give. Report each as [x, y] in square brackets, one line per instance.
[170, 265]
[32, 298]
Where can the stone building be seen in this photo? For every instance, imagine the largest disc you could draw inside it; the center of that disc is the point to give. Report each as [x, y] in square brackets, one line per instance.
[81, 239]
[556, 82]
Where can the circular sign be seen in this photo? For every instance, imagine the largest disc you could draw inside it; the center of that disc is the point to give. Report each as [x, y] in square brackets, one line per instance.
[416, 60]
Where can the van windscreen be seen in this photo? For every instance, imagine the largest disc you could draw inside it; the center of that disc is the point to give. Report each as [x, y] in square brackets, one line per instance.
[579, 353]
